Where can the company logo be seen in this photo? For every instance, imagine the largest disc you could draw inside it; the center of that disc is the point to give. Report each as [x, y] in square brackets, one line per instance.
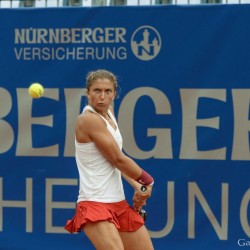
[84, 43]
[146, 43]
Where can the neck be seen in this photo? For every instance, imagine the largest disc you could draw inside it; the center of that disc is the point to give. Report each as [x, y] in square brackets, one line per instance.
[102, 113]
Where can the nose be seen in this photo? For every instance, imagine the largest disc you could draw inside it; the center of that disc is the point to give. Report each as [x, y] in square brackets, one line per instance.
[102, 95]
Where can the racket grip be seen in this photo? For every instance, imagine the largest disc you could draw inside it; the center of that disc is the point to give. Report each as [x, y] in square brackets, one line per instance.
[143, 214]
[143, 189]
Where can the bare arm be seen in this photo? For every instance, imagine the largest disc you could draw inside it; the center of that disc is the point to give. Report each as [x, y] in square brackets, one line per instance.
[132, 182]
[91, 127]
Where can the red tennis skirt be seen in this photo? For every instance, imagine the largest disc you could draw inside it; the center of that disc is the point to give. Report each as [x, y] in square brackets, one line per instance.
[123, 216]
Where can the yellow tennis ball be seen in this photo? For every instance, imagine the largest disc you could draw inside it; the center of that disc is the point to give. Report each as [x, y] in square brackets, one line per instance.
[36, 90]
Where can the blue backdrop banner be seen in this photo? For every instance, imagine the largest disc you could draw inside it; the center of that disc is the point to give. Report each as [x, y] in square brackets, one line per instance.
[183, 109]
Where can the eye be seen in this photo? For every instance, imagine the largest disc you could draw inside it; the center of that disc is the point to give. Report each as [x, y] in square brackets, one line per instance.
[108, 91]
[97, 91]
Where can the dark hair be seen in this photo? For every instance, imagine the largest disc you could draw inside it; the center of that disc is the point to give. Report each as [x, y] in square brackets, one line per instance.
[92, 76]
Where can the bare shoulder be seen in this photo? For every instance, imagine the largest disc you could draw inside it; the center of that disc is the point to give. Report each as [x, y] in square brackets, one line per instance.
[88, 119]
[86, 125]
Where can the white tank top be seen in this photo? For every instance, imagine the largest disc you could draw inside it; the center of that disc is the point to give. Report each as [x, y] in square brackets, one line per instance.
[99, 180]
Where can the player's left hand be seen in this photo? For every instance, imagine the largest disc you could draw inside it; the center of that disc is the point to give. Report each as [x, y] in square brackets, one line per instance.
[140, 198]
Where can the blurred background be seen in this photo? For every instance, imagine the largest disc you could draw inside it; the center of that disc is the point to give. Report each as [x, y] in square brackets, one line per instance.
[75, 3]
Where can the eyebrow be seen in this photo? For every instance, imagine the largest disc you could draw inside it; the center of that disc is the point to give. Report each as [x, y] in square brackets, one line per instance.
[104, 89]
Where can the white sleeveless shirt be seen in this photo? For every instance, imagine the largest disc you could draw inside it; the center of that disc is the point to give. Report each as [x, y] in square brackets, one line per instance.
[99, 179]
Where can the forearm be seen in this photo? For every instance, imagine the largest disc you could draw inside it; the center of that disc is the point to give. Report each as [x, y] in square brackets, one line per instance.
[128, 167]
[134, 184]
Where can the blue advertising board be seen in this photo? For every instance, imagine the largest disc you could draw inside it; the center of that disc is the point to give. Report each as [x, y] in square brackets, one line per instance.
[183, 109]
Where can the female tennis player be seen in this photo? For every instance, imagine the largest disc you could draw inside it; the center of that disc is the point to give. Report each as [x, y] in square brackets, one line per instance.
[102, 211]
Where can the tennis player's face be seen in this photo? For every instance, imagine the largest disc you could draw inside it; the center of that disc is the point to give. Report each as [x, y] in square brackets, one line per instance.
[100, 95]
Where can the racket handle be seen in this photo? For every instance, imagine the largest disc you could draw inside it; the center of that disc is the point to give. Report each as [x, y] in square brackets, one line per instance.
[143, 189]
[143, 214]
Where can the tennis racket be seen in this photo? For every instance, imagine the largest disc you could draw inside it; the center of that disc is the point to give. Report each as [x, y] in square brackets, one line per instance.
[143, 212]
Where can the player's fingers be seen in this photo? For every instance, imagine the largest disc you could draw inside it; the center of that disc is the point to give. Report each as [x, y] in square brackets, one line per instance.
[142, 196]
[137, 206]
[139, 203]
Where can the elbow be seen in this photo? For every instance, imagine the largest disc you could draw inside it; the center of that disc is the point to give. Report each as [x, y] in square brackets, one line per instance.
[118, 162]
